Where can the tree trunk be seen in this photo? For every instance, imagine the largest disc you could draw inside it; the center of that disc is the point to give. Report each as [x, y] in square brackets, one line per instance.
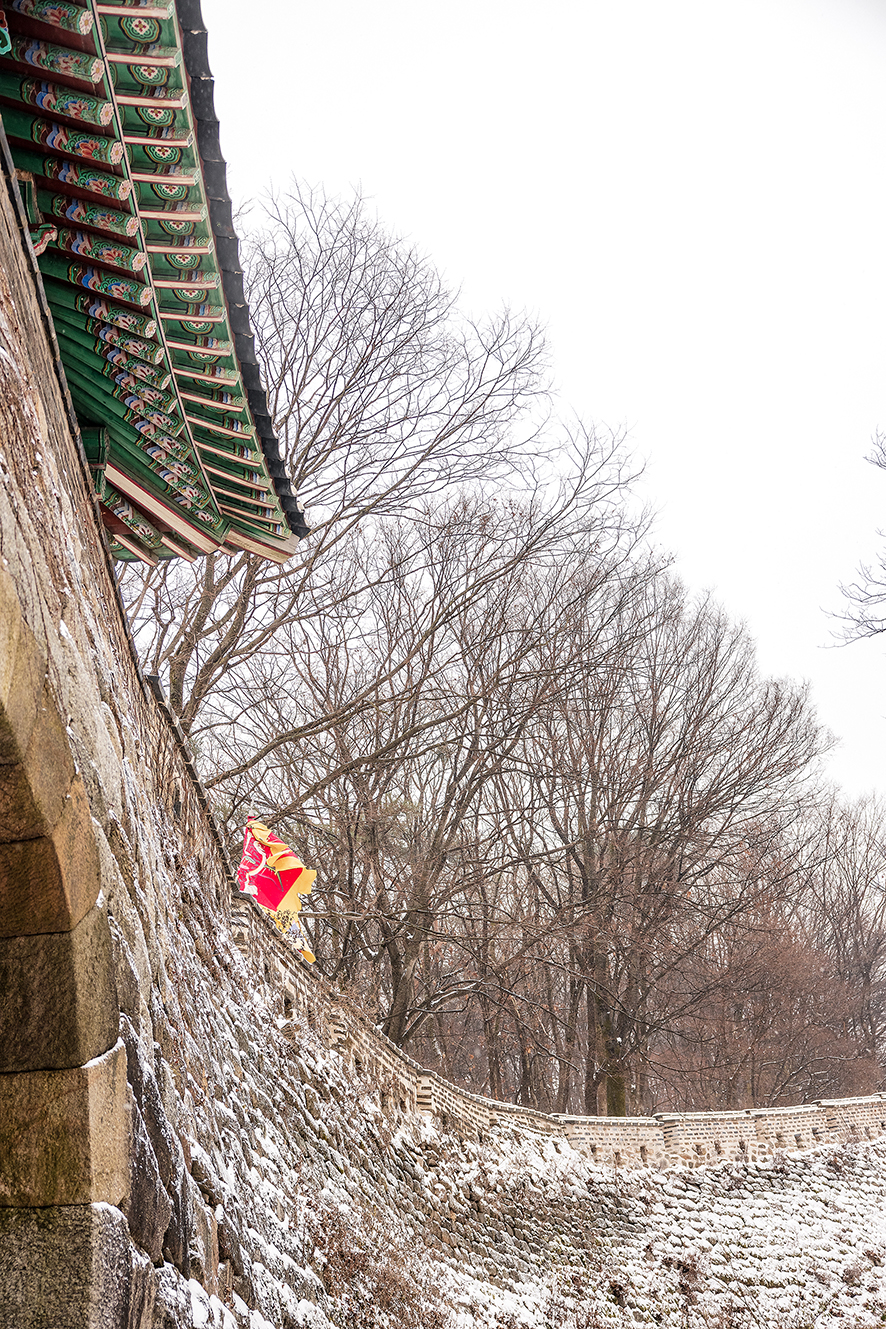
[567, 1060]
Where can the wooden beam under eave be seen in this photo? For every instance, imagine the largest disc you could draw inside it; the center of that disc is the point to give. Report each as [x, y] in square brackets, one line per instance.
[142, 99]
[154, 177]
[179, 550]
[134, 548]
[163, 11]
[155, 507]
[281, 552]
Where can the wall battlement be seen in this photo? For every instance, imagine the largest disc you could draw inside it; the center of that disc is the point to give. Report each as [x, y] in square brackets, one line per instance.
[668, 1139]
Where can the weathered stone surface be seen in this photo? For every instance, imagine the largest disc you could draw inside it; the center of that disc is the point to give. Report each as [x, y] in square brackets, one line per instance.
[230, 1244]
[69, 1268]
[172, 1309]
[22, 674]
[177, 1238]
[129, 996]
[36, 764]
[142, 1293]
[148, 1207]
[203, 1241]
[208, 1180]
[59, 1008]
[20, 817]
[48, 884]
[47, 770]
[64, 1135]
[146, 1091]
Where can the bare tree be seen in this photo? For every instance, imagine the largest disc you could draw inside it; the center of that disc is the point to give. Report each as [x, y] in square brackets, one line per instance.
[382, 394]
[844, 906]
[373, 732]
[660, 777]
[865, 615]
[382, 391]
[795, 987]
[773, 1027]
[562, 824]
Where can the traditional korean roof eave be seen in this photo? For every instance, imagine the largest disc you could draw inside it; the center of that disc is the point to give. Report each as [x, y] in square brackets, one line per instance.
[109, 109]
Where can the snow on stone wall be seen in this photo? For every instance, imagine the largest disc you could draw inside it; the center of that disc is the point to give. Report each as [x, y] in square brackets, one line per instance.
[329, 1179]
[319, 1201]
[667, 1138]
[312, 1204]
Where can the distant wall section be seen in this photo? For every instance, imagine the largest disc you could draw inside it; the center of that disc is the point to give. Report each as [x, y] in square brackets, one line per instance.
[665, 1140]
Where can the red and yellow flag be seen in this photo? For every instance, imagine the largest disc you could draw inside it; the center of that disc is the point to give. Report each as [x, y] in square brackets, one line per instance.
[272, 873]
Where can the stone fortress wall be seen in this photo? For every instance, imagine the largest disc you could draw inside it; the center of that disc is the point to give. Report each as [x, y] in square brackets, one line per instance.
[173, 1079]
[665, 1140]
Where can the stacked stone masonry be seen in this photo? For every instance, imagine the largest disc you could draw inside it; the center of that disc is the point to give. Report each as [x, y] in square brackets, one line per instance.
[195, 1128]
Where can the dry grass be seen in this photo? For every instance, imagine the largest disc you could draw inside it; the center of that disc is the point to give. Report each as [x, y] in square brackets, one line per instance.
[373, 1278]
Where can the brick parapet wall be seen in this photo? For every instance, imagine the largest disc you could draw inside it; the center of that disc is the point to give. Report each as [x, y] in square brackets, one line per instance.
[665, 1140]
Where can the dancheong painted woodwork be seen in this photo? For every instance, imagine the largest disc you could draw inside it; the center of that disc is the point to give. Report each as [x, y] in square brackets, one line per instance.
[109, 116]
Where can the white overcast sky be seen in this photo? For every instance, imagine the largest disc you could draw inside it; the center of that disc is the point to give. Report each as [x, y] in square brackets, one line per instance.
[692, 196]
